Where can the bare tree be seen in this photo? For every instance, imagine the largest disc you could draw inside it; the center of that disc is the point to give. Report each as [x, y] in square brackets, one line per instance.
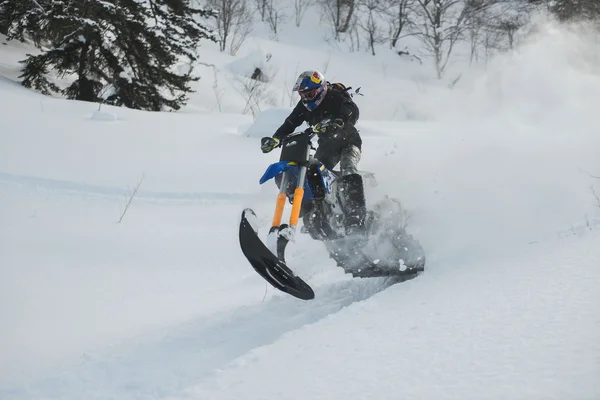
[354, 37]
[370, 24]
[435, 31]
[325, 65]
[398, 16]
[261, 6]
[292, 96]
[216, 89]
[254, 89]
[593, 191]
[483, 34]
[339, 13]
[234, 23]
[492, 42]
[494, 27]
[131, 199]
[442, 23]
[509, 27]
[274, 17]
[519, 17]
[300, 7]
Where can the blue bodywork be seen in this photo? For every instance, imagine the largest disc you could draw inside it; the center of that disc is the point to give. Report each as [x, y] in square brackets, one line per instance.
[273, 170]
[285, 166]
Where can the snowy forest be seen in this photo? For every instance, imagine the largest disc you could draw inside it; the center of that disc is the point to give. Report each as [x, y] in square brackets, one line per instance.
[142, 53]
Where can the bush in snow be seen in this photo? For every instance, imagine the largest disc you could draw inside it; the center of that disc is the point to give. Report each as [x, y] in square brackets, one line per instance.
[103, 116]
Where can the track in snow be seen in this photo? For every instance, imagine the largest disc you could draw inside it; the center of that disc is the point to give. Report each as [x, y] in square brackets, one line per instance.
[67, 188]
[170, 361]
[165, 366]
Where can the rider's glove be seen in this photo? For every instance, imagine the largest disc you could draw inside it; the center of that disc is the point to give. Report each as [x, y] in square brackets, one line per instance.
[328, 126]
[268, 143]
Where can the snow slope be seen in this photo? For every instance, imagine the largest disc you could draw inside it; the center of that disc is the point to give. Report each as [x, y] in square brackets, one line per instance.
[523, 327]
[163, 304]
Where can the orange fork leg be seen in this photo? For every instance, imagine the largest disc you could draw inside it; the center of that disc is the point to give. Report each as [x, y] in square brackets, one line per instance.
[281, 197]
[298, 195]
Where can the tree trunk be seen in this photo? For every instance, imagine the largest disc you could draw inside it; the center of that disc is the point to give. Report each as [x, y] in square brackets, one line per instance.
[401, 21]
[86, 87]
[396, 36]
[344, 28]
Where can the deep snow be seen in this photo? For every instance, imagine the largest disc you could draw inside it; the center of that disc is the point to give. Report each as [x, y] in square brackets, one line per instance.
[163, 305]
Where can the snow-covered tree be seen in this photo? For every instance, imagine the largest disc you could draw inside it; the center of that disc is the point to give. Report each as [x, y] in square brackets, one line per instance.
[131, 46]
[23, 18]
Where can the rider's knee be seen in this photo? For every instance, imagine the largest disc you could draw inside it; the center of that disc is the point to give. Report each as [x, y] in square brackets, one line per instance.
[349, 160]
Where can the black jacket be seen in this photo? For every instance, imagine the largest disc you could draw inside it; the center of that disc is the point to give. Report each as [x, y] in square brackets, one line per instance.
[336, 104]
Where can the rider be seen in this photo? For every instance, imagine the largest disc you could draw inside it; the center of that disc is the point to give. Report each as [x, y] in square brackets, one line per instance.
[333, 114]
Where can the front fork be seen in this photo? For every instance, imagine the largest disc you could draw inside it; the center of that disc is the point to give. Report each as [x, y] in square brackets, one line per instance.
[280, 235]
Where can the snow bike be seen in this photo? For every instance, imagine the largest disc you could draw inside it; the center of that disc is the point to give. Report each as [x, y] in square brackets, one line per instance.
[315, 192]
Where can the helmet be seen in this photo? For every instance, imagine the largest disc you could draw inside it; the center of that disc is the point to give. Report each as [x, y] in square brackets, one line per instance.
[312, 88]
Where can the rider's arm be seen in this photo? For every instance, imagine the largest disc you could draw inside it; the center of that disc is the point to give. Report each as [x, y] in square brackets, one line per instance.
[294, 120]
[346, 110]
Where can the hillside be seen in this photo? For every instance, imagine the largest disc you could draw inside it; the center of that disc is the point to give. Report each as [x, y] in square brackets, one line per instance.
[496, 173]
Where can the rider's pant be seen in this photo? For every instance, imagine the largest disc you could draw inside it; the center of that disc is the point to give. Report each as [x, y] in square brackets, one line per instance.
[348, 158]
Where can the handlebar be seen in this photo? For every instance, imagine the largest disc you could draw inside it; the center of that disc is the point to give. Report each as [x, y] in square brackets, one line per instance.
[311, 134]
[310, 131]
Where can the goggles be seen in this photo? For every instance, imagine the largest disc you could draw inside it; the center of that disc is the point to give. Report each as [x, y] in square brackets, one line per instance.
[310, 94]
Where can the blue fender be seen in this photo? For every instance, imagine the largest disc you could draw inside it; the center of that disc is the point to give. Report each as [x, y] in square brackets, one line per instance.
[273, 170]
[279, 167]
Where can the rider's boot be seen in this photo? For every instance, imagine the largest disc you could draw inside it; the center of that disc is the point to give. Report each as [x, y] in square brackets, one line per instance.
[356, 209]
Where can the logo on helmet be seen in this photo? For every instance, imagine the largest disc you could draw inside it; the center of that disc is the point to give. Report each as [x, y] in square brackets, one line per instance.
[316, 77]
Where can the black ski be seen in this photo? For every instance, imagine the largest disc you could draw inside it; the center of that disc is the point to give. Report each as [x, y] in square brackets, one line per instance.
[272, 269]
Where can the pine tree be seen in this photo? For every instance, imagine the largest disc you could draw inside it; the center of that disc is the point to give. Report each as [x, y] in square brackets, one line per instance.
[21, 18]
[128, 49]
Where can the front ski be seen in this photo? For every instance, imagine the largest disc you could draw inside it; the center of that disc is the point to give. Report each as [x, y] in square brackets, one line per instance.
[271, 268]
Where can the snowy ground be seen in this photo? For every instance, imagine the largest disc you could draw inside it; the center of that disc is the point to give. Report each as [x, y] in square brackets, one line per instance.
[164, 306]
